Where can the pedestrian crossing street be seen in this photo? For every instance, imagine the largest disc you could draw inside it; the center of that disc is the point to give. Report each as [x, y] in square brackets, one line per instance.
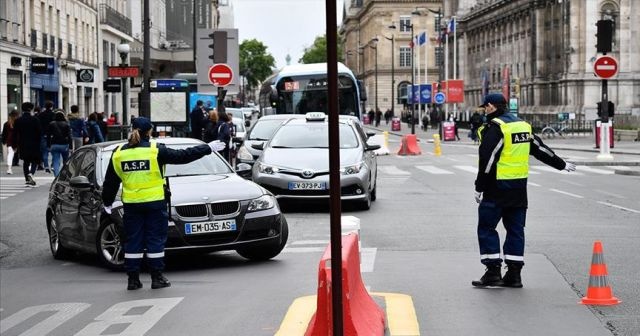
[13, 185]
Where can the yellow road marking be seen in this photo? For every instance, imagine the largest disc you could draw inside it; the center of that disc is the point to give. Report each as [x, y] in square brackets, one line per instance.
[401, 315]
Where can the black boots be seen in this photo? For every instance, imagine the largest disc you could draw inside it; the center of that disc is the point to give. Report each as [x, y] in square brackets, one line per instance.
[158, 280]
[134, 281]
[512, 277]
[491, 277]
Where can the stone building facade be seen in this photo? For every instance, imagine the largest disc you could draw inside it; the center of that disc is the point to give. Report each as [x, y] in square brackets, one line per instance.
[545, 51]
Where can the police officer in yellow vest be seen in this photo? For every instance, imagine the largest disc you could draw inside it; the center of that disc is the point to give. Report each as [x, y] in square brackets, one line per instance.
[139, 166]
[501, 189]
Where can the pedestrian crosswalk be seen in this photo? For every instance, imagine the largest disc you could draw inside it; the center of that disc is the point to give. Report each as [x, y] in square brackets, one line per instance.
[406, 171]
[12, 186]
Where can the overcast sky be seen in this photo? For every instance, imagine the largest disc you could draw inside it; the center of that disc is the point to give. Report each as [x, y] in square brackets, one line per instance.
[284, 26]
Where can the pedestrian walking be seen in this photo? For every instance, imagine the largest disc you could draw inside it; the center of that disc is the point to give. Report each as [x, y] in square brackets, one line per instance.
[7, 139]
[59, 140]
[387, 116]
[93, 129]
[139, 165]
[211, 129]
[371, 116]
[197, 119]
[45, 117]
[501, 189]
[378, 117]
[113, 120]
[78, 128]
[224, 132]
[27, 134]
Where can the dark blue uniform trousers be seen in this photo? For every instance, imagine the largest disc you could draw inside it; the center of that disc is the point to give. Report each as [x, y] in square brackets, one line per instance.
[146, 227]
[513, 219]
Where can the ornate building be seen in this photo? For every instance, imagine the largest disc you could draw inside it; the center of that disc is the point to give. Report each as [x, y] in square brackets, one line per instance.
[544, 51]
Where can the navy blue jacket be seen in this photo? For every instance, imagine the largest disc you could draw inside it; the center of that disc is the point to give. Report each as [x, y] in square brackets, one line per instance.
[165, 156]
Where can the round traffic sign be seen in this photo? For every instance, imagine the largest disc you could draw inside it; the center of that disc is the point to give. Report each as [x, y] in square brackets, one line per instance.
[220, 74]
[605, 67]
[439, 98]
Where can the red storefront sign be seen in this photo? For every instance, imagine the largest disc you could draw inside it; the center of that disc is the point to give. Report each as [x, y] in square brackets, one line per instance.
[455, 91]
[123, 72]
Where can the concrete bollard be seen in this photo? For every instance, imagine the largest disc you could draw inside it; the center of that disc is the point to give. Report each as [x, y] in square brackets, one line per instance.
[436, 141]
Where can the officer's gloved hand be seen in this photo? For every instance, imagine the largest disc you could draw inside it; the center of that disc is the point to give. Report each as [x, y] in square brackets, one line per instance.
[478, 196]
[569, 167]
[107, 209]
[217, 146]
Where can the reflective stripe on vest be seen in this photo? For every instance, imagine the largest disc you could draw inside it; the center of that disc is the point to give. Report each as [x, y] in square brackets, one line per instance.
[140, 174]
[514, 158]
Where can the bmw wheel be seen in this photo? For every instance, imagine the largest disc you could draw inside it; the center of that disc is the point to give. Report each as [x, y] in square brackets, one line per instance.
[110, 246]
[57, 250]
[265, 252]
[374, 193]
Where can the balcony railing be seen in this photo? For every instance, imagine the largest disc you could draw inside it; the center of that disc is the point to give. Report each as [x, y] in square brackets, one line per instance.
[113, 18]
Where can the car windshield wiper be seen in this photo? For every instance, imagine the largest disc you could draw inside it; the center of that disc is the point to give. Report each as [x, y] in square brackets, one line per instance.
[281, 147]
[259, 139]
[183, 175]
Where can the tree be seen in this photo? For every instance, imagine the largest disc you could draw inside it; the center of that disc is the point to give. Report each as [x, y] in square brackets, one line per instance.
[255, 62]
[317, 53]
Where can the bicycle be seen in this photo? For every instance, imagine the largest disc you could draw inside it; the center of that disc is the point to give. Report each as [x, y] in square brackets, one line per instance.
[551, 130]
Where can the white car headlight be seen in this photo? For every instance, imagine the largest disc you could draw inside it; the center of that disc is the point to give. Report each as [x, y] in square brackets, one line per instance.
[263, 202]
[243, 154]
[351, 169]
[266, 169]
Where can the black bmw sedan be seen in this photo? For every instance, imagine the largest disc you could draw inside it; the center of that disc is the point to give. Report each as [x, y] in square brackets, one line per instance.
[211, 209]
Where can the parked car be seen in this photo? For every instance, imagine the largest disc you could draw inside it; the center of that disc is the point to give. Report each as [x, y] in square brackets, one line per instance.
[261, 132]
[239, 114]
[294, 164]
[211, 209]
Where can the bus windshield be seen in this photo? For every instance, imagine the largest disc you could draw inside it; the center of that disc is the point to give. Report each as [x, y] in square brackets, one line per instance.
[308, 93]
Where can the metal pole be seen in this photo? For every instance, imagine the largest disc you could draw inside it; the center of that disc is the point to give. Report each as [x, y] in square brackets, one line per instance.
[145, 106]
[124, 91]
[413, 106]
[376, 70]
[334, 168]
[393, 78]
[195, 40]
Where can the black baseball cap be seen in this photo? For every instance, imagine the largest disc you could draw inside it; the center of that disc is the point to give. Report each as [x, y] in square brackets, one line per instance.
[142, 123]
[493, 99]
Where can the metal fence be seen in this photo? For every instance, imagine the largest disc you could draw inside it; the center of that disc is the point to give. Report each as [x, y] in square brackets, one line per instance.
[115, 19]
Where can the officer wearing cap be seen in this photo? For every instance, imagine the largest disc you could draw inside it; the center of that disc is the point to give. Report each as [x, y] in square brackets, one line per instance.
[501, 189]
[139, 166]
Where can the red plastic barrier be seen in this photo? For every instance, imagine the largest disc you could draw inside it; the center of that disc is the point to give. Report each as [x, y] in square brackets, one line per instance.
[409, 145]
[361, 315]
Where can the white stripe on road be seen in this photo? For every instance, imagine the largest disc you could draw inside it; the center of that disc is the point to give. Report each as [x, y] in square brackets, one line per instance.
[566, 193]
[553, 170]
[37, 178]
[303, 249]
[608, 193]
[434, 170]
[573, 183]
[470, 169]
[619, 207]
[367, 259]
[311, 242]
[393, 170]
[595, 170]
[533, 184]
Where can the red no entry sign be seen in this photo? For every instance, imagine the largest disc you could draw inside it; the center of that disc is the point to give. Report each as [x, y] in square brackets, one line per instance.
[220, 74]
[605, 67]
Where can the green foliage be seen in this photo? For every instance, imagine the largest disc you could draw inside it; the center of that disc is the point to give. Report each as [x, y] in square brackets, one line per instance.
[255, 62]
[317, 53]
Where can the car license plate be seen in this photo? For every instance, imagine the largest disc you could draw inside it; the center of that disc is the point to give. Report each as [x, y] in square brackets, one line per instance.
[208, 227]
[306, 186]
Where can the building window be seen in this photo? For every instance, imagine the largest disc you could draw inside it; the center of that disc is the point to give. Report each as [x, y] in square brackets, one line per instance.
[405, 57]
[405, 24]
[402, 92]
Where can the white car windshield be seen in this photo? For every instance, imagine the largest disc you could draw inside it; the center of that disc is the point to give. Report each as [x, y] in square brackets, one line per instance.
[311, 135]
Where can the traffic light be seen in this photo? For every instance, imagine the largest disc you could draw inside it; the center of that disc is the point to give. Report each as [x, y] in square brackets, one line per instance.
[604, 35]
[610, 111]
[219, 46]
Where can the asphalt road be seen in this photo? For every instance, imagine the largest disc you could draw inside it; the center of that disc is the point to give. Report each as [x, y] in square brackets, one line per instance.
[418, 239]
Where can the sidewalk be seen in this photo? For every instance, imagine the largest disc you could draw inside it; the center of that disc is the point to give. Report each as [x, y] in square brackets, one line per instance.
[625, 153]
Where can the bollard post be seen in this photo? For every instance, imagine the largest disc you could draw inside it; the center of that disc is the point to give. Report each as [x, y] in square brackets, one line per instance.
[386, 139]
[436, 141]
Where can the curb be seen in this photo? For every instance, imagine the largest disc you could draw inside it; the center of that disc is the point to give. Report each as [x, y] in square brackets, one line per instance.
[628, 172]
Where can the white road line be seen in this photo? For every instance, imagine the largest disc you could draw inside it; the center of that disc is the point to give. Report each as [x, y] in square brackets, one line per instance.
[310, 242]
[566, 193]
[393, 170]
[37, 178]
[595, 170]
[6, 195]
[609, 194]
[367, 259]
[434, 170]
[452, 159]
[553, 170]
[533, 184]
[619, 207]
[303, 249]
[472, 155]
[573, 183]
[470, 169]
[1, 198]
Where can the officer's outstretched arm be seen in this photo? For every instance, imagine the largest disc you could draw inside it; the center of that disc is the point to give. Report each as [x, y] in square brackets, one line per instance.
[543, 153]
[181, 156]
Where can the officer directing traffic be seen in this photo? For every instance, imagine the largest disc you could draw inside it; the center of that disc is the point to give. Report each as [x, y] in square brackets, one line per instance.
[139, 166]
[501, 189]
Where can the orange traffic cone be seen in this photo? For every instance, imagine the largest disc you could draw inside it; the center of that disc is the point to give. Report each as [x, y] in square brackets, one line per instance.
[599, 293]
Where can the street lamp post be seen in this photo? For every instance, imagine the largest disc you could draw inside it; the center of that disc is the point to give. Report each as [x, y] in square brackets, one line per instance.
[393, 78]
[413, 106]
[375, 47]
[123, 50]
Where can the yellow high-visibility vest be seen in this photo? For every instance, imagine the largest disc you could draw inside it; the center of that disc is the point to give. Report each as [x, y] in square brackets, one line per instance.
[140, 174]
[514, 158]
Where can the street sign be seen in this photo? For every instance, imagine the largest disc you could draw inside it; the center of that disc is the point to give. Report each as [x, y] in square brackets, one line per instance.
[605, 67]
[439, 98]
[123, 71]
[220, 74]
[112, 85]
[84, 75]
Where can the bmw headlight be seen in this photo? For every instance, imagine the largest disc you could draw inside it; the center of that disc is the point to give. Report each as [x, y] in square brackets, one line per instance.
[351, 169]
[266, 169]
[243, 154]
[263, 202]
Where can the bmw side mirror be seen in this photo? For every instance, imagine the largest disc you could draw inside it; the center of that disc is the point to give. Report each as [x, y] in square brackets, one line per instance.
[244, 170]
[81, 183]
[258, 145]
[247, 123]
[372, 147]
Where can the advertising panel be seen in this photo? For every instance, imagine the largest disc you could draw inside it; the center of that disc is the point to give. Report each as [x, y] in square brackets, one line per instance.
[456, 91]
[425, 93]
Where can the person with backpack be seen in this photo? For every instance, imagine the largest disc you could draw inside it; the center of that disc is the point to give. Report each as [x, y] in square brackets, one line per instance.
[45, 117]
[7, 138]
[93, 129]
[59, 140]
[78, 128]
